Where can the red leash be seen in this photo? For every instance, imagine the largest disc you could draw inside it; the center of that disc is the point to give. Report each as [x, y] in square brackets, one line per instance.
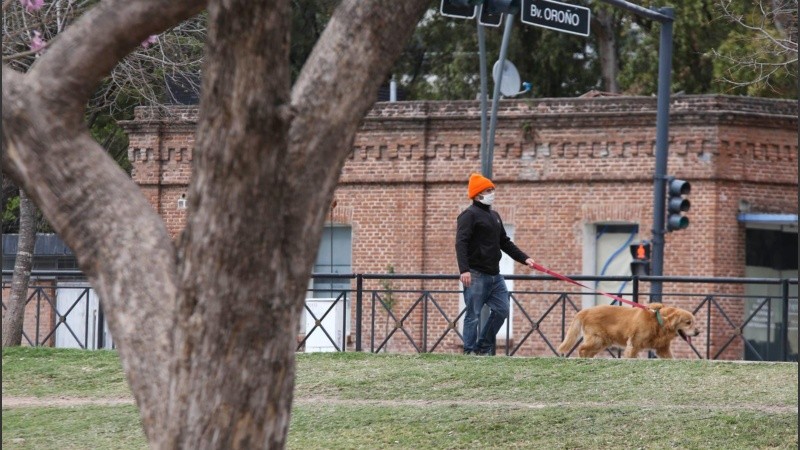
[544, 269]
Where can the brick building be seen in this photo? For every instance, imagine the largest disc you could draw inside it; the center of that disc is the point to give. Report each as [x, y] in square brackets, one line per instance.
[574, 181]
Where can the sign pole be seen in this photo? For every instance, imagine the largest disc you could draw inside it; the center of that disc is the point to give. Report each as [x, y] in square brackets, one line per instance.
[662, 149]
[496, 95]
[486, 169]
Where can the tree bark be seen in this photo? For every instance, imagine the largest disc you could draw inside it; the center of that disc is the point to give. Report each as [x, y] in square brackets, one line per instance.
[279, 163]
[17, 300]
[604, 26]
[206, 328]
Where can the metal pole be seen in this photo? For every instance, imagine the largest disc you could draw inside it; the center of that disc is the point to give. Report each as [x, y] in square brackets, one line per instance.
[662, 149]
[359, 300]
[424, 322]
[372, 333]
[496, 95]
[345, 309]
[785, 319]
[485, 165]
[768, 356]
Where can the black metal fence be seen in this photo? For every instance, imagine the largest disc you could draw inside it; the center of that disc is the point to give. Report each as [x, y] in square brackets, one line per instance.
[741, 318]
[726, 312]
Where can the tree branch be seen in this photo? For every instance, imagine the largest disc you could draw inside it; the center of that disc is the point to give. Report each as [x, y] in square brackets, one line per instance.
[84, 194]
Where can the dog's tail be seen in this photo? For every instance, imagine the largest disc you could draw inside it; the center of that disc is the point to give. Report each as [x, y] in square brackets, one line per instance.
[573, 334]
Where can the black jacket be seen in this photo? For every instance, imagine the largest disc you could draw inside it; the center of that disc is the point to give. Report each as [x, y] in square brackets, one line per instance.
[480, 237]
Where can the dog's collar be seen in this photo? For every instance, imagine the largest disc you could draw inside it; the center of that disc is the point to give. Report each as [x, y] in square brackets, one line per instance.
[659, 318]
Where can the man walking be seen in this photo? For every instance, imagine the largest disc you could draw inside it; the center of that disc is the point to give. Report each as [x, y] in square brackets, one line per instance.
[480, 237]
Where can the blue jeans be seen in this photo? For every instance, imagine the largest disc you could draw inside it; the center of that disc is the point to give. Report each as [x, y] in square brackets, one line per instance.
[487, 290]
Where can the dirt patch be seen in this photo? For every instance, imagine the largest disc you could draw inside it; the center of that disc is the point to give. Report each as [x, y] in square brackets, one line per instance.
[62, 402]
[66, 402]
[532, 405]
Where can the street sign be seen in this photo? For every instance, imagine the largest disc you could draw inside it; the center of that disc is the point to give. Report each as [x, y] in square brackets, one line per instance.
[556, 16]
[450, 8]
[489, 18]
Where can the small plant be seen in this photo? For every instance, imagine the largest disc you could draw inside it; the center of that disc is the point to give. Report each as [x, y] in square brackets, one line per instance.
[387, 285]
[527, 131]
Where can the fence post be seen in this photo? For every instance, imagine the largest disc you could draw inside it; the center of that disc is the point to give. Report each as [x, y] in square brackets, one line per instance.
[563, 317]
[359, 299]
[635, 289]
[708, 331]
[38, 314]
[424, 322]
[86, 329]
[344, 321]
[785, 318]
[769, 329]
[372, 330]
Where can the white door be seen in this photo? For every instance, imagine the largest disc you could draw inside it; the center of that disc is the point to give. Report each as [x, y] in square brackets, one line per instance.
[83, 321]
[318, 341]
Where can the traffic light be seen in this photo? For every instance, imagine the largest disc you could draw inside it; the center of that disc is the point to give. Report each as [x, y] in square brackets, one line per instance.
[492, 10]
[641, 259]
[677, 204]
[461, 9]
[489, 18]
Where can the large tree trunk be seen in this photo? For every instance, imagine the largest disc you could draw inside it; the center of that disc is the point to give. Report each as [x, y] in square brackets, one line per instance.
[206, 329]
[604, 28]
[15, 312]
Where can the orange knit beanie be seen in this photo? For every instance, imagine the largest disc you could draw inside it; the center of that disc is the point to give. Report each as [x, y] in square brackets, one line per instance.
[477, 184]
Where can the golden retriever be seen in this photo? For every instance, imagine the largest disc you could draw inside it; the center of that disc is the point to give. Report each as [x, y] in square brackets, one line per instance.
[634, 329]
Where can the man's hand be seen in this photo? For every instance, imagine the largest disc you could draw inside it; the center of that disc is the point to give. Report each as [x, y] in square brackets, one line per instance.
[466, 279]
[530, 262]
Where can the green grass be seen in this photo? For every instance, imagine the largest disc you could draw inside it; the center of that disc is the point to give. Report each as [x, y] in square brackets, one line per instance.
[546, 380]
[83, 427]
[49, 372]
[357, 400]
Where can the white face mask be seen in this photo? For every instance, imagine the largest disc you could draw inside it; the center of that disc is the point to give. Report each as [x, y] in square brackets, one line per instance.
[486, 199]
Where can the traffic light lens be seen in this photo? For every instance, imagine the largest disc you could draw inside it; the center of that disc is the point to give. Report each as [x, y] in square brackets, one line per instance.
[677, 222]
[680, 187]
[678, 204]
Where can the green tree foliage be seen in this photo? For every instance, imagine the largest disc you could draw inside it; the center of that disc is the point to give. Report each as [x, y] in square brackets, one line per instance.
[712, 52]
[11, 215]
[696, 32]
[759, 56]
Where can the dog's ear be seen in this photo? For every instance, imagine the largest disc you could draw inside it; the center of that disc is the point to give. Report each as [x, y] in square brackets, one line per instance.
[671, 318]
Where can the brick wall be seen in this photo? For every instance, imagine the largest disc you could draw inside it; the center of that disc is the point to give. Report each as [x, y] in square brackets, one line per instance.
[559, 165]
